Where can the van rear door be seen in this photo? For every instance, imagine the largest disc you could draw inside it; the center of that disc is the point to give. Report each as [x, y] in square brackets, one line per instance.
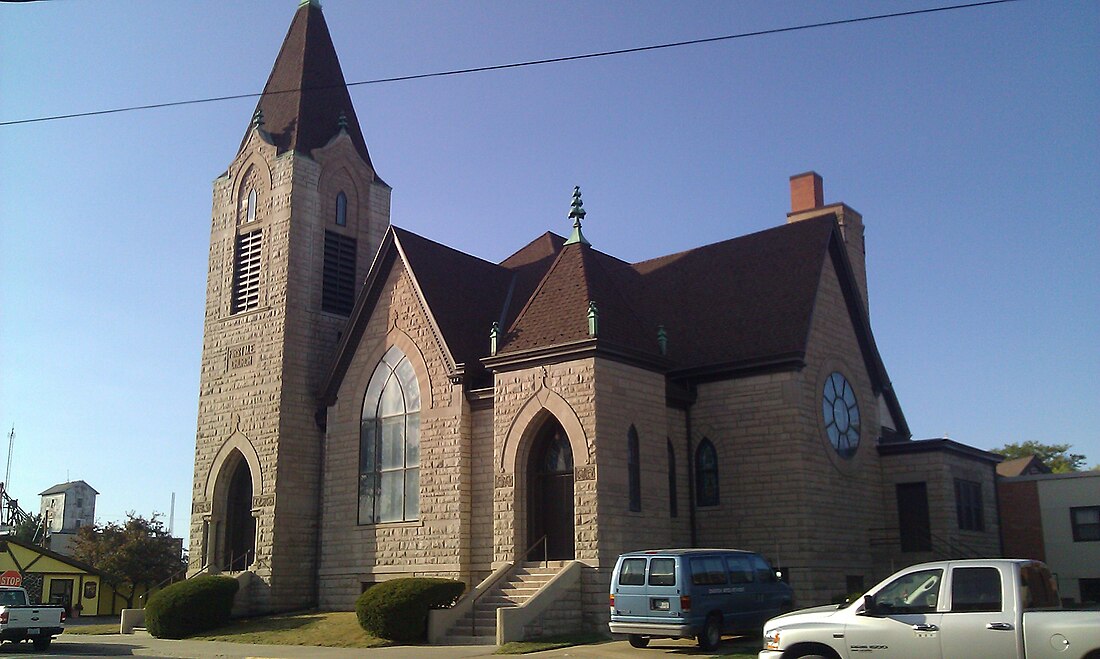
[630, 589]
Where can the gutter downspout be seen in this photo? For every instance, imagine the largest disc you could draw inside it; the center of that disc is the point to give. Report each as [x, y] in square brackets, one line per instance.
[691, 474]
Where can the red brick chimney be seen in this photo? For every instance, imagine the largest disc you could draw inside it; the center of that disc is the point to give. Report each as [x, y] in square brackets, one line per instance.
[808, 201]
[807, 192]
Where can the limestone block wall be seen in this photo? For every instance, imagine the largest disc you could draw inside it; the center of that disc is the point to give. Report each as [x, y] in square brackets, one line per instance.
[481, 495]
[841, 500]
[522, 399]
[241, 369]
[938, 469]
[437, 544]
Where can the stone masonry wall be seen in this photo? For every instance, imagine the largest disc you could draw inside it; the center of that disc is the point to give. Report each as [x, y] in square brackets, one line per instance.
[262, 368]
[437, 543]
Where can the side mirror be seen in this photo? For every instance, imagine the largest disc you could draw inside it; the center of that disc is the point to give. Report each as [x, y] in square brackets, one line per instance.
[870, 607]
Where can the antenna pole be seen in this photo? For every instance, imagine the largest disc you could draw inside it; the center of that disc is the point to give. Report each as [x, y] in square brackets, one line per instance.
[11, 444]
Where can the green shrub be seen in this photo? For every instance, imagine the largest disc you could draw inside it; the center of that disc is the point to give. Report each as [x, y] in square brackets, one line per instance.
[397, 610]
[191, 606]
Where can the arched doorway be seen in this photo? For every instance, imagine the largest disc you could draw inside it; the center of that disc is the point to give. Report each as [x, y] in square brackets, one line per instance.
[550, 495]
[240, 525]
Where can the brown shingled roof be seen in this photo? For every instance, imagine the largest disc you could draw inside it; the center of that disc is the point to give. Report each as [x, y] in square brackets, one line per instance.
[306, 91]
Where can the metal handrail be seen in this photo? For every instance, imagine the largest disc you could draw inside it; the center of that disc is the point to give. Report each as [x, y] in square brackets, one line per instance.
[473, 603]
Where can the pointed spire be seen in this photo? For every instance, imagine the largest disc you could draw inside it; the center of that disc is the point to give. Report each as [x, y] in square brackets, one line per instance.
[306, 91]
[576, 213]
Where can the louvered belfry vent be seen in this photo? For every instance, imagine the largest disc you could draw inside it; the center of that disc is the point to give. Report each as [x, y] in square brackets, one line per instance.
[246, 272]
[338, 288]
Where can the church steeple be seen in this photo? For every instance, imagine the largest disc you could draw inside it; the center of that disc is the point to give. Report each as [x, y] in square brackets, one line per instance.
[306, 94]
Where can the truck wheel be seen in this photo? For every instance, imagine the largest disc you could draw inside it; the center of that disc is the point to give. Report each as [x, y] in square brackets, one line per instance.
[711, 635]
[42, 643]
[638, 641]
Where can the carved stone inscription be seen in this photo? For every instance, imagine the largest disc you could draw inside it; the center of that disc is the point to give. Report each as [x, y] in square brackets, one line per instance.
[241, 356]
[585, 473]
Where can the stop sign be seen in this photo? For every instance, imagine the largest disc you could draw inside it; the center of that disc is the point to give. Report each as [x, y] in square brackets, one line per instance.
[11, 578]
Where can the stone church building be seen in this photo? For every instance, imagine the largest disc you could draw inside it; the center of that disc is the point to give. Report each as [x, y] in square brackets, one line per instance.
[374, 404]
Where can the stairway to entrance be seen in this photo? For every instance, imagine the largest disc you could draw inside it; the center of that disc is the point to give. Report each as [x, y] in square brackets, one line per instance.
[479, 625]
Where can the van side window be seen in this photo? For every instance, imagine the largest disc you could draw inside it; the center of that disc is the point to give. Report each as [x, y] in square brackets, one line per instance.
[976, 589]
[632, 572]
[764, 572]
[662, 572]
[740, 568]
[708, 571]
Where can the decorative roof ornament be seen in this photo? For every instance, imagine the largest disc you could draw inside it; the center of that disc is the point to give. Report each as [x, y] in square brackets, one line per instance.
[342, 122]
[494, 337]
[662, 340]
[258, 118]
[576, 213]
[593, 319]
[312, 3]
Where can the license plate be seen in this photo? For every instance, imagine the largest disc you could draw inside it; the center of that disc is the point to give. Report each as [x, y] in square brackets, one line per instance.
[34, 631]
[659, 605]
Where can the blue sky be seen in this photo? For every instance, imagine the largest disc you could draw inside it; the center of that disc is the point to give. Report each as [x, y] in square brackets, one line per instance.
[969, 140]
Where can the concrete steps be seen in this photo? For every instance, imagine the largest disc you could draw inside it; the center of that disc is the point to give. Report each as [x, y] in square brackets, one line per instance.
[479, 627]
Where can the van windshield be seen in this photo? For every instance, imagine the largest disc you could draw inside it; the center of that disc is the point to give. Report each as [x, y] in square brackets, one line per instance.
[662, 572]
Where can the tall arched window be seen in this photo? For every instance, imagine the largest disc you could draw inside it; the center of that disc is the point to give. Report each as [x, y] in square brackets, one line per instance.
[706, 474]
[250, 209]
[634, 469]
[342, 209]
[673, 508]
[389, 443]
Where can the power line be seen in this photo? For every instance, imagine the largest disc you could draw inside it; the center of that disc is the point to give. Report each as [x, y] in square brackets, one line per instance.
[516, 65]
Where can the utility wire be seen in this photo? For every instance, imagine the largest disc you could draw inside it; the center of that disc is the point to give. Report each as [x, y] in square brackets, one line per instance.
[514, 65]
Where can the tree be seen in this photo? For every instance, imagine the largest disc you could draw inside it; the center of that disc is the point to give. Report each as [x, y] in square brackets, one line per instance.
[141, 551]
[1055, 456]
[27, 528]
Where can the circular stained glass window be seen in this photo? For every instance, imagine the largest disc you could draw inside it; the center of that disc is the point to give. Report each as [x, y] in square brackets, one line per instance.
[841, 413]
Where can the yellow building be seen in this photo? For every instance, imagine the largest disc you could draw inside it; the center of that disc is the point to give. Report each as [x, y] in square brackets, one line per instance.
[53, 578]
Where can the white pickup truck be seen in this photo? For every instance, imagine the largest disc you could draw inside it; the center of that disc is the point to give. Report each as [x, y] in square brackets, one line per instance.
[977, 609]
[20, 621]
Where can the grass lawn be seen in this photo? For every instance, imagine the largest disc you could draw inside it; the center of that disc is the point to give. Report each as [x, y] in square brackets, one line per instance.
[96, 629]
[326, 629]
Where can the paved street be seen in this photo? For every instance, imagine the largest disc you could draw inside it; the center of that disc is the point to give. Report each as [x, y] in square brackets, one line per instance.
[143, 645]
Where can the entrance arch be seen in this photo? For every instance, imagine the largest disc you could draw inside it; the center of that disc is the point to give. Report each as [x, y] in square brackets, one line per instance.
[240, 525]
[550, 531]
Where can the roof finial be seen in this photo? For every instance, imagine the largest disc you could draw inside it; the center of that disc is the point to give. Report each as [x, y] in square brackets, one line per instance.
[593, 319]
[315, 3]
[258, 118]
[342, 121]
[576, 212]
[662, 339]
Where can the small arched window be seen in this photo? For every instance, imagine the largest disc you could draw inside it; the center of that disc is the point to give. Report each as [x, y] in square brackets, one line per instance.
[673, 508]
[341, 209]
[706, 474]
[634, 469]
[389, 443]
[250, 207]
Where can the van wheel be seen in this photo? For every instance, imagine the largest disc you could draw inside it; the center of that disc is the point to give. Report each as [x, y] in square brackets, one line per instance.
[638, 641]
[712, 632]
[42, 643]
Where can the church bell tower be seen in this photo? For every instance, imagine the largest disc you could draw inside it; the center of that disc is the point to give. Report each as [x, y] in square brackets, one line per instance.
[297, 217]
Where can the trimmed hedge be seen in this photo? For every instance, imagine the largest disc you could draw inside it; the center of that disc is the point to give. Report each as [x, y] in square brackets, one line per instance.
[397, 610]
[191, 606]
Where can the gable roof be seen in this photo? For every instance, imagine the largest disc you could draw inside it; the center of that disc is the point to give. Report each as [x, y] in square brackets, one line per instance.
[1025, 466]
[741, 304]
[65, 487]
[306, 92]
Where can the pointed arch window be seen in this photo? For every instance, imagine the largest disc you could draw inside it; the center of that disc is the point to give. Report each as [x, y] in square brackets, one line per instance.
[634, 469]
[341, 209]
[706, 474]
[389, 443]
[673, 507]
[250, 207]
